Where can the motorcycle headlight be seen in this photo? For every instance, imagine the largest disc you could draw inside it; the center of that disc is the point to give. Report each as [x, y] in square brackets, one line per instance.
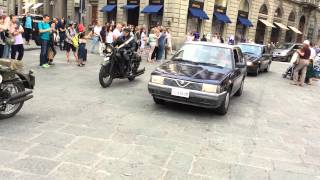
[210, 88]
[109, 49]
[157, 79]
[1, 79]
[249, 63]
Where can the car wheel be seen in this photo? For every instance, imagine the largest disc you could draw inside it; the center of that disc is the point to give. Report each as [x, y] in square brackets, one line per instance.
[223, 109]
[240, 90]
[158, 101]
[256, 73]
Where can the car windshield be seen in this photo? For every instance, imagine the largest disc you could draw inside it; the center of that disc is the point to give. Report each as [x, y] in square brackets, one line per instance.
[285, 46]
[251, 49]
[207, 55]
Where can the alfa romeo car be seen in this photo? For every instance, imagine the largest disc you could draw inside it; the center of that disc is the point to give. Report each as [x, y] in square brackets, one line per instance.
[257, 56]
[201, 74]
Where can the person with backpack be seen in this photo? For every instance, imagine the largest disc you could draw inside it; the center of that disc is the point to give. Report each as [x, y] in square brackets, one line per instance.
[51, 49]
[17, 47]
[82, 51]
[27, 22]
[72, 41]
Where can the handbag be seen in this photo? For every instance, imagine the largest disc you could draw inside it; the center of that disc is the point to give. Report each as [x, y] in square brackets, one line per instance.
[10, 40]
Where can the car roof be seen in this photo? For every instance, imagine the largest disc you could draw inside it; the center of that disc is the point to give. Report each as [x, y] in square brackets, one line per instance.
[211, 44]
[252, 44]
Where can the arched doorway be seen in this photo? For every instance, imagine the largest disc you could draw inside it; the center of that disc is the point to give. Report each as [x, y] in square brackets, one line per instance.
[276, 32]
[291, 22]
[261, 27]
[302, 23]
[243, 22]
[220, 19]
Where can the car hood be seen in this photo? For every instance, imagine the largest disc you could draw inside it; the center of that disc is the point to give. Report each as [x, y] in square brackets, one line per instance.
[192, 72]
[251, 57]
[281, 50]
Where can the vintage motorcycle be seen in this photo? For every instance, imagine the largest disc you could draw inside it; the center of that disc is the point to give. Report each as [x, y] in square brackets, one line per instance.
[13, 93]
[110, 68]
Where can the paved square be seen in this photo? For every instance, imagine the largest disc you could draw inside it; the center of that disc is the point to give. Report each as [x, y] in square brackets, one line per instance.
[74, 129]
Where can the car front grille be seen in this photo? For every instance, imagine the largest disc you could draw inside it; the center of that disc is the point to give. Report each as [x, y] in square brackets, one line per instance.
[183, 84]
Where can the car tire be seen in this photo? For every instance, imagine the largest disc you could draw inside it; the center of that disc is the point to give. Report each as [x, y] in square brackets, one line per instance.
[158, 101]
[223, 109]
[256, 73]
[240, 90]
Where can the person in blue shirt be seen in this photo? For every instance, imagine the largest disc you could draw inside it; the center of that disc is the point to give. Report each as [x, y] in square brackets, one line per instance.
[27, 24]
[44, 32]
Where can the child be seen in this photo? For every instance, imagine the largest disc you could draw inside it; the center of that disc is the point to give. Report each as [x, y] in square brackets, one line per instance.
[82, 51]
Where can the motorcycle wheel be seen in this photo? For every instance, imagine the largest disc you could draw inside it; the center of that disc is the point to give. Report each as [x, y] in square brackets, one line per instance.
[132, 78]
[11, 109]
[105, 78]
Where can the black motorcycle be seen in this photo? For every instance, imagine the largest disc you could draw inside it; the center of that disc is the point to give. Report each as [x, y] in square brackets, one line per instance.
[111, 67]
[13, 93]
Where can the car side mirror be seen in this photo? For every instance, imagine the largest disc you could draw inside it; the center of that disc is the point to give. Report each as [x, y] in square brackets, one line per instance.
[240, 65]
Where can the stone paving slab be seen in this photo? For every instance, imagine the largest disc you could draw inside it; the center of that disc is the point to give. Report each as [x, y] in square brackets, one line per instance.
[74, 129]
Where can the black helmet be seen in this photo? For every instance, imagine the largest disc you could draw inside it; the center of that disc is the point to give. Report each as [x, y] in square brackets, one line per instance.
[128, 30]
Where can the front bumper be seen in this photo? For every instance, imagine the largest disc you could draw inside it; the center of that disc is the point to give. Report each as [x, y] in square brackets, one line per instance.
[252, 68]
[196, 98]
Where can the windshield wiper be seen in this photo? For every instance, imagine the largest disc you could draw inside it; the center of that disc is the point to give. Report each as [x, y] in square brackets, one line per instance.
[182, 60]
[209, 64]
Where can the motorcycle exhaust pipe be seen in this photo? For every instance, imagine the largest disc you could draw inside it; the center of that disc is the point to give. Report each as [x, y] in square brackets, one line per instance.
[19, 100]
[18, 95]
[140, 72]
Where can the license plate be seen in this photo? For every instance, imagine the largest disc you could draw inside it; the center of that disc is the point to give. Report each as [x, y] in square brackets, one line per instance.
[180, 92]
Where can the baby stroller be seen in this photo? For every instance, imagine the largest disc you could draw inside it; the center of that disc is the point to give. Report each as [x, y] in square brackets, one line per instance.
[289, 72]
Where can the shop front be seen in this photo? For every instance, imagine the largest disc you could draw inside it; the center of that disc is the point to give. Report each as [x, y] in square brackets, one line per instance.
[292, 33]
[280, 28]
[155, 12]
[110, 10]
[262, 25]
[243, 23]
[219, 20]
[195, 16]
[132, 11]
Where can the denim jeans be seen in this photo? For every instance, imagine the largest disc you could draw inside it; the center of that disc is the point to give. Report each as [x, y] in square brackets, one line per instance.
[6, 51]
[95, 41]
[44, 52]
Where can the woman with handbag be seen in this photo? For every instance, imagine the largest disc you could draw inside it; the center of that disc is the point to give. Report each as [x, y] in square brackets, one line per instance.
[2, 36]
[51, 49]
[70, 41]
[16, 30]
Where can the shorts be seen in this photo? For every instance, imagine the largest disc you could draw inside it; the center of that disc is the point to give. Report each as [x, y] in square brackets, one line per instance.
[70, 47]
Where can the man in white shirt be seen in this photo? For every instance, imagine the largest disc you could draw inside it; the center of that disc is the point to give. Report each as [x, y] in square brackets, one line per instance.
[117, 31]
[96, 36]
[313, 52]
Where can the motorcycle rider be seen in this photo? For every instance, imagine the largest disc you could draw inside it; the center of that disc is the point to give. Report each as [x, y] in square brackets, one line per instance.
[127, 51]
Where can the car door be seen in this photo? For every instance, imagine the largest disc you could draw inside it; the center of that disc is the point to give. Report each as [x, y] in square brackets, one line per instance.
[265, 60]
[237, 72]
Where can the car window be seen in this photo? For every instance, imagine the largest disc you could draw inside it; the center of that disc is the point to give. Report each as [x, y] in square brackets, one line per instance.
[195, 53]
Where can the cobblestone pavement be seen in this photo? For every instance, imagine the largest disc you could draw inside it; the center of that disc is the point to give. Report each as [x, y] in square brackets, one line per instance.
[73, 129]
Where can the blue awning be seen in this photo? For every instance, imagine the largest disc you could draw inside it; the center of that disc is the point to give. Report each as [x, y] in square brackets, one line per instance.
[129, 7]
[245, 22]
[198, 13]
[108, 8]
[152, 9]
[222, 17]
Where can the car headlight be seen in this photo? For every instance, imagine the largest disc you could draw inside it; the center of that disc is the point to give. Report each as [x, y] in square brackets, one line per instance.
[210, 88]
[249, 63]
[157, 79]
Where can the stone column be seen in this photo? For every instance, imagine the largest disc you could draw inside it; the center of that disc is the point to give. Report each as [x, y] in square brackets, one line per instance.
[254, 18]
[143, 18]
[121, 13]
[70, 9]
[175, 14]
[232, 12]
[207, 24]
[101, 15]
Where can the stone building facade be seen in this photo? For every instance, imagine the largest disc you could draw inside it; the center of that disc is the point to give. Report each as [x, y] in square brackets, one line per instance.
[301, 15]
